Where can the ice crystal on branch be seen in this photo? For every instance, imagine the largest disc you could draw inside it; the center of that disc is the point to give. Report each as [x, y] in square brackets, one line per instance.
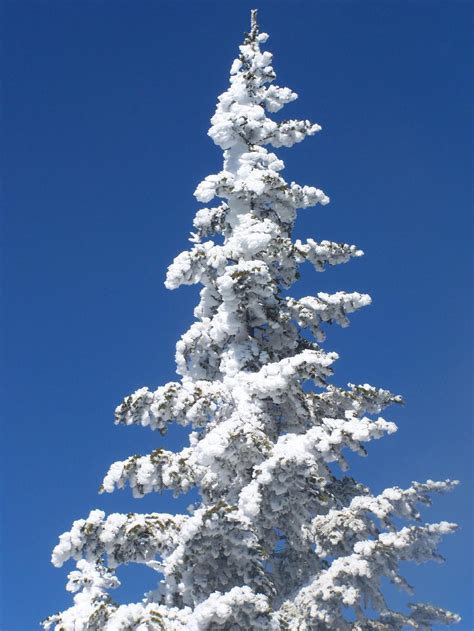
[278, 540]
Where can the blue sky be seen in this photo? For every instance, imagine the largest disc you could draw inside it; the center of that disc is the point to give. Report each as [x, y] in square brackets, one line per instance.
[105, 113]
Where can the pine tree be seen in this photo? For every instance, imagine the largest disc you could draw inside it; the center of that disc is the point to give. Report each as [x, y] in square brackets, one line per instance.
[280, 538]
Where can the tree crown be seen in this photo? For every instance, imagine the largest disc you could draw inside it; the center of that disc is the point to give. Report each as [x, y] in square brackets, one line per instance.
[280, 539]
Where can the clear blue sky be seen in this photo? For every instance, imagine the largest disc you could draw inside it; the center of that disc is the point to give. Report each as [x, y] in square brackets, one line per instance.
[105, 113]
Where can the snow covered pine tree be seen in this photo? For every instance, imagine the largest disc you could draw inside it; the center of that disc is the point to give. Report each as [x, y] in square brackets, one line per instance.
[278, 540]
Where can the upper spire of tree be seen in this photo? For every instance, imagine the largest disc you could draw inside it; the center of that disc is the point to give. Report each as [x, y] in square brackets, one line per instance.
[253, 24]
[280, 538]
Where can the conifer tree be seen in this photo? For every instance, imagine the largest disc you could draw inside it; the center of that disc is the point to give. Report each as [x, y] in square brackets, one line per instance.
[281, 538]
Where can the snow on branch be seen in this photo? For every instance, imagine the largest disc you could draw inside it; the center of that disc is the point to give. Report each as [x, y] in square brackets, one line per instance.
[313, 311]
[354, 580]
[186, 403]
[325, 253]
[123, 538]
[156, 472]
